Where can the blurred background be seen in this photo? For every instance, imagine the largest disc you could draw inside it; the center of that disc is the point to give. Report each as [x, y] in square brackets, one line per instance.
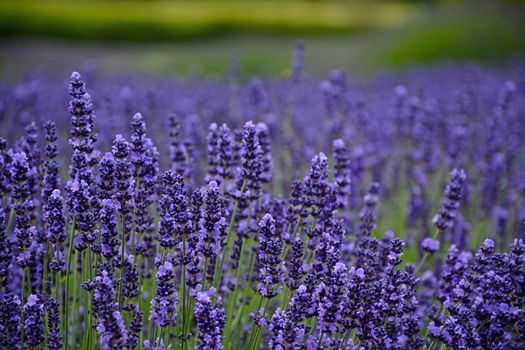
[174, 37]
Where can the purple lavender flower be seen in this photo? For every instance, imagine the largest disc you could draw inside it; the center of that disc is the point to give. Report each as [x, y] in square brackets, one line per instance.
[175, 214]
[368, 214]
[164, 304]
[195, 239]
[144, 157]
[5, 249]
[430, 245]
[211, 320]
[263, 135]
[34, 321]
[389, 303]
[111, 329]
[29, 146]
[212, 226]
[124, 182]
[342, 176]
[320, 200]
[80, 197]
[500, 218]
[479, 296]
[213, 152]
[294, 266]
[329, 296]
[419, 207]
[257, 102]
[51, 179]
[54, 337]
[269, 258]
[316, 182]
[297, 203]
[178, 152]
[130, 277]
[144, 198]
[138, 144]
[135, 328]
[5, 173]
[106, 182]
[167, 222]
[10, 321]
[19, 175]
[55, 223]
[448, 211]
[285, 334]
[237, 146]
[77, 87]
[158, 345]
[248, 189]
[327, 251]
[301, 304]
[357, 167]
[215, 211]
[251, 167]
[22, 206]
[454, 269]
[83, 136]
[492, 184]
[225, 156]
[461, 234]
[109, 236]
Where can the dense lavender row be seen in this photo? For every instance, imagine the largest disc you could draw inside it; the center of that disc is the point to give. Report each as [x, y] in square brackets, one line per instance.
[123, 247]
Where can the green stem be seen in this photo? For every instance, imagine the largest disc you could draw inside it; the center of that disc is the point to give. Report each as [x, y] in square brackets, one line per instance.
[89, 310]
[10, 221]
[426, 254]
[251, 266]
[254, 330]
[204, 275]
[258, 330]
[76, 300]
[56, 287]
[229, 243]
[45, 272]
[226, 251]
[66, 300]
[284, 301]
[189, 313]
[86, 306]
[233, 297]
[123, 245]
[320, 339]
[166, 331]
[22, 333]
[183, 286]
[422, 262]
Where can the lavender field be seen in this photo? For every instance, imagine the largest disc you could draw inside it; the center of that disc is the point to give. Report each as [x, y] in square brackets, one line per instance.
[284, 212]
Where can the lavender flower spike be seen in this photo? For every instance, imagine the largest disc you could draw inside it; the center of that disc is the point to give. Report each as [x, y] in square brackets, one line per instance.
[111, 329]
[211, 320]
[34, 321]
[164, 304]
[54, 337]
[453, 194]
[269, 258]
[10, 318]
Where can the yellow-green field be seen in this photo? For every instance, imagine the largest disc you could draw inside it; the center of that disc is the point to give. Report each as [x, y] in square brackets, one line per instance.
[180, 37]
[165, 20]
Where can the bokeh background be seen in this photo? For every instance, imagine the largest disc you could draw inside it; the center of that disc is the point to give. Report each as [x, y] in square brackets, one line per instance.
[174, 37]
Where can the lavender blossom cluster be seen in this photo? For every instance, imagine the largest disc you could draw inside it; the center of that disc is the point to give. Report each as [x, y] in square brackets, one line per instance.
[155, 231]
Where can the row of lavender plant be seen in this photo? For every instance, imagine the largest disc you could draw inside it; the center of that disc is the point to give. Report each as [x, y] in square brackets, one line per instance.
[108, 251]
